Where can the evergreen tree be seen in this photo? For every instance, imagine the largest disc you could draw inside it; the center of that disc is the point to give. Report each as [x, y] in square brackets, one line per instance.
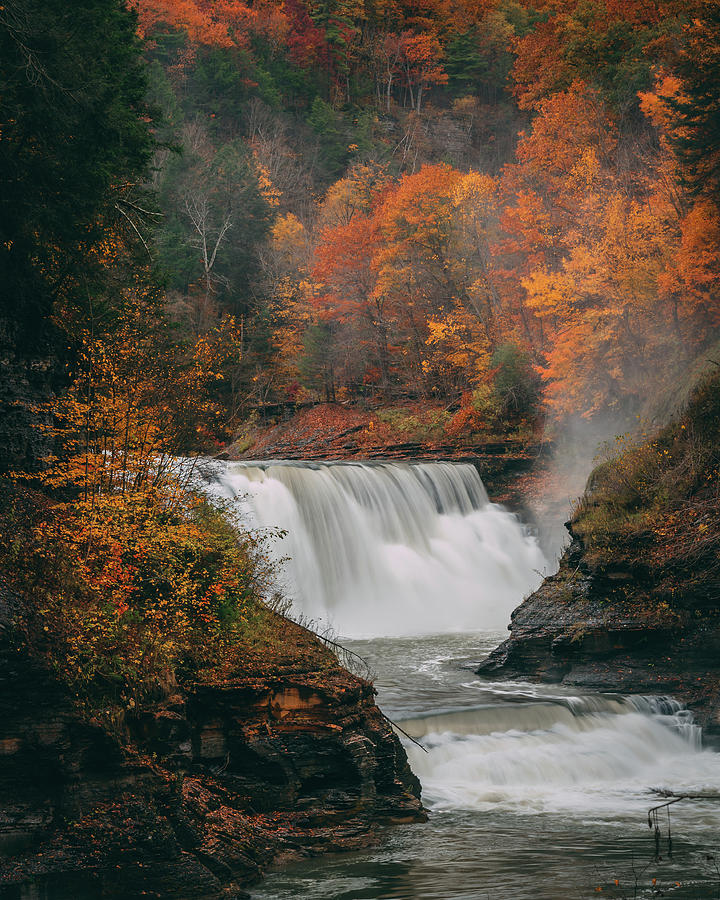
[74, 132]
[74, 146]
[698, 141]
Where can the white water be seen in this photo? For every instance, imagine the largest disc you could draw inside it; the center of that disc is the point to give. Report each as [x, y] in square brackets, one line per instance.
[390, 548]
[415, 555]
[535, 792]
[585, 755]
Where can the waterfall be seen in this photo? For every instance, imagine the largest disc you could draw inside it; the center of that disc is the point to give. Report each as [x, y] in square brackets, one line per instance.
[571, 754]
[389, 548]
[575, 713]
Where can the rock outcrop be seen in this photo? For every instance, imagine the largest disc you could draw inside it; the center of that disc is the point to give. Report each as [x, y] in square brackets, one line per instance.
[586, 628]
[197, 795]
[635, 605]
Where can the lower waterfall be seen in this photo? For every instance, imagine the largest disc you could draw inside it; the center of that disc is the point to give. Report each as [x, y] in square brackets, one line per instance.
[389, 548]
[535, 791]
[562, 753]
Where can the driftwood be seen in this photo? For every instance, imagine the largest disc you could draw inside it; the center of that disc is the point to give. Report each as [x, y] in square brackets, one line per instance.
[673, 797]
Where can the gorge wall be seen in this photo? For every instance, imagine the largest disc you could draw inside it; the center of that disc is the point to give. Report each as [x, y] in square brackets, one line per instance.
[635, 605]
[197, 795]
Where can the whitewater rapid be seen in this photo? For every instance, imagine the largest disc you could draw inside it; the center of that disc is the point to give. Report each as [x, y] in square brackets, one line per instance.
[389, 548]
[580, 755]
[534, 792]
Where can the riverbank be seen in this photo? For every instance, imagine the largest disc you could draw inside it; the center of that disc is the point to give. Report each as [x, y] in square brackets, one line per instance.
[635, 605]
[201, 791]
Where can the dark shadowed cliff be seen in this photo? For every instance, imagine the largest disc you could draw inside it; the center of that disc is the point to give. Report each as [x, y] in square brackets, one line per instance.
[197, 795]
[635, 605]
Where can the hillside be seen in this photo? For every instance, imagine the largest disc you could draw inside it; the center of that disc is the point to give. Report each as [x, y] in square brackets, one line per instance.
[635, 605]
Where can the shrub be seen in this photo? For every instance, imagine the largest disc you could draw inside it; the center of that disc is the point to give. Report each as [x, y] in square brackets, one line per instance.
[517, 387]
[425, 426]
[123, 593]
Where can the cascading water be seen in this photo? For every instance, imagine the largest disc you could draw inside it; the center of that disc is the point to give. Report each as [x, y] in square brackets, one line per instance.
[562, 754]
[390, 548]
[405, 551]
[535, 792]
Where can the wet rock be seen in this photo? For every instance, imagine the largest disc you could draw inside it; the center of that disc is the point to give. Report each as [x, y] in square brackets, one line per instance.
[575, 630]
[197, 796]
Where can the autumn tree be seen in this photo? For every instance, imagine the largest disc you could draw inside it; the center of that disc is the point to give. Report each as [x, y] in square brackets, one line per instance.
[286, 262]
[74, 148]
[408, 267]
[413, 60]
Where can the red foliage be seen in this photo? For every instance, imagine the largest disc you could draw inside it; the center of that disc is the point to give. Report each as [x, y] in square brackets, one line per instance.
[307, 44]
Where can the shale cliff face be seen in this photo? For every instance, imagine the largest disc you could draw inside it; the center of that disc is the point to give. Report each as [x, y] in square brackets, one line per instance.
[569, 631]
[198, 795]
[635, 605]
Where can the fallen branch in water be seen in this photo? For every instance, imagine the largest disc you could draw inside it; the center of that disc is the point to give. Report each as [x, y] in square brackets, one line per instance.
[674, 797]
[653, 819]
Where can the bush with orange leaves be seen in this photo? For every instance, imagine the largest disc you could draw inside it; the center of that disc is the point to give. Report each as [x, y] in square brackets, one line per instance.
[125, 580]
[127, 592]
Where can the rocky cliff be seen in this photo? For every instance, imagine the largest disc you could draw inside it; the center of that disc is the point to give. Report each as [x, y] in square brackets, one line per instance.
[197, 795]
[569, 631]
[635, 605]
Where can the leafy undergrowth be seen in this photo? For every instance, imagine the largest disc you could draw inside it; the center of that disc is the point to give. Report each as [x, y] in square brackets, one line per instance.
[339, 430]
[126, 594]
[653, 508]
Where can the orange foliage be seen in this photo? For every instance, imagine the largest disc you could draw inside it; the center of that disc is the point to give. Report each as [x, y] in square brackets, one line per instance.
[586, 248]
[692, 277]
[412, 270]
[539, 69]
[132, 577]
[343, 264]
[219, 23]
[568, 124]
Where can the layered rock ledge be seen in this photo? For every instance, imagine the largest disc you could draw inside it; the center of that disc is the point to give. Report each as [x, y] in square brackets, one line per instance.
[330, 432]
[199, 794]
[585, 628]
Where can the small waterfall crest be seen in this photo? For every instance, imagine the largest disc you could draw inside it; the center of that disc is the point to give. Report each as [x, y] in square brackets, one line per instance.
[389, 548]
[581, 713]
[587, 753]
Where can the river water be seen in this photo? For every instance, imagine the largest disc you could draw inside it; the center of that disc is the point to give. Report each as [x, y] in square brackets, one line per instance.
[534, 792]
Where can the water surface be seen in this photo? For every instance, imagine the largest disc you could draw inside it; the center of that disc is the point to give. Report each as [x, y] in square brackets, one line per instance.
[534, 792]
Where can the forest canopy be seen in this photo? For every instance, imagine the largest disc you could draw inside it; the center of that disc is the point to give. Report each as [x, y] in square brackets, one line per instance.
[386, 196]
[506, 207]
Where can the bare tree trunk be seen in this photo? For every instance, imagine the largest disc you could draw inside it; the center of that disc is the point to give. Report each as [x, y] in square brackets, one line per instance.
[197, 206]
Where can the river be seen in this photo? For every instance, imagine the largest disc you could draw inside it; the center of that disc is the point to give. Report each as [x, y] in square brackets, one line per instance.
[534, 792]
